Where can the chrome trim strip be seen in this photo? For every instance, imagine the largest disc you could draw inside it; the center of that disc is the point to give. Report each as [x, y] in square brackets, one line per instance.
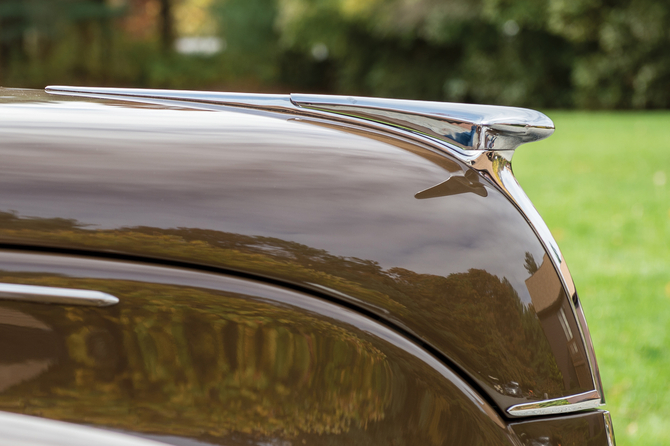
[609, 429]
[582, 401]
[24, 430]
[247, 100]
[53, 295]
[467, 127]
[590, 351]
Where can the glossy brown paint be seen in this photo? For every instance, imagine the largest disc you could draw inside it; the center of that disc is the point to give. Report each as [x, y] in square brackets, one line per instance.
[587, 429]
[187, 355]
[192, 358]
[385, 225]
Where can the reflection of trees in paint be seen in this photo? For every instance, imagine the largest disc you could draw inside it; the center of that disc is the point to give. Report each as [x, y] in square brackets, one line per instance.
[506, 325]
[555, 314]
[477, 317]
[171, 352]
[193, 363]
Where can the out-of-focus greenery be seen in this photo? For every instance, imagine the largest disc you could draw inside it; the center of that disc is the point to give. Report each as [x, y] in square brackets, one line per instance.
[602, 183]
[540, 53]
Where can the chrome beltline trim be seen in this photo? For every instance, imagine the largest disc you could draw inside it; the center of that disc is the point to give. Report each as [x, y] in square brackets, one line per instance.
[24, 430]
[590, 351]
[609, 429]
[482, 136]
[247, 100]
[469, 129]
[53, 295]
[582, 401]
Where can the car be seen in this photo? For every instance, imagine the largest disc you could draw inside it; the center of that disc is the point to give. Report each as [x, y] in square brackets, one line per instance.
[231, 269]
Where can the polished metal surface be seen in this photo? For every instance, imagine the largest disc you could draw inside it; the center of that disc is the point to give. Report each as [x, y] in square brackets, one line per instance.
[194, 358]
[586, 334]
[610, 429]
[248, 100]
[23, 430]
[586, 400]
[385, 221]
[467, 128]
[54, 295]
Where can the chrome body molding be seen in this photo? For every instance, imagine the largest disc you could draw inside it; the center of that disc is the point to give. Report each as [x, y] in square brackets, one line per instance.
[24, 430]
[53, 295]
[582, 401]
[590, 351]
[484, 137]
[468, 128]
[609, 428]
[246, 100]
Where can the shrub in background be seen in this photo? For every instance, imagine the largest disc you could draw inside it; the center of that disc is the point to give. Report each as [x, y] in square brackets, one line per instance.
[537, 53]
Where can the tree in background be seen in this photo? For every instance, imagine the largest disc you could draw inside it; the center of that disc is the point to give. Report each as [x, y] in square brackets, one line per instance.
[624, 59]
[247, 26]
[166, 25]
[454, 50]
[536, 53]
[36, 33]
[13, 25]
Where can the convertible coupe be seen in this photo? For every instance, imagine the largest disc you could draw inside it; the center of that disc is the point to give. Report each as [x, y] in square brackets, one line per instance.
[200, 268]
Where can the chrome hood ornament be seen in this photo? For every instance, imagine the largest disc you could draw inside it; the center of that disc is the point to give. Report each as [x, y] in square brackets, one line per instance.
[469, 128]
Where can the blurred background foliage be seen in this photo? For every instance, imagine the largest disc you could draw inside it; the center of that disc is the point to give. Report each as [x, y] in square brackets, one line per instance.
[537, 53]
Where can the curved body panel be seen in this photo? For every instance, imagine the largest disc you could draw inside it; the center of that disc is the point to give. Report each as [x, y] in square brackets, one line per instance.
[587, 428]
[191, 358]
[414, 237]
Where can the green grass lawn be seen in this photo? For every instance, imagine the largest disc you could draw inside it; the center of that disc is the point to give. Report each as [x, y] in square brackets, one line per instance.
[602, 184]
